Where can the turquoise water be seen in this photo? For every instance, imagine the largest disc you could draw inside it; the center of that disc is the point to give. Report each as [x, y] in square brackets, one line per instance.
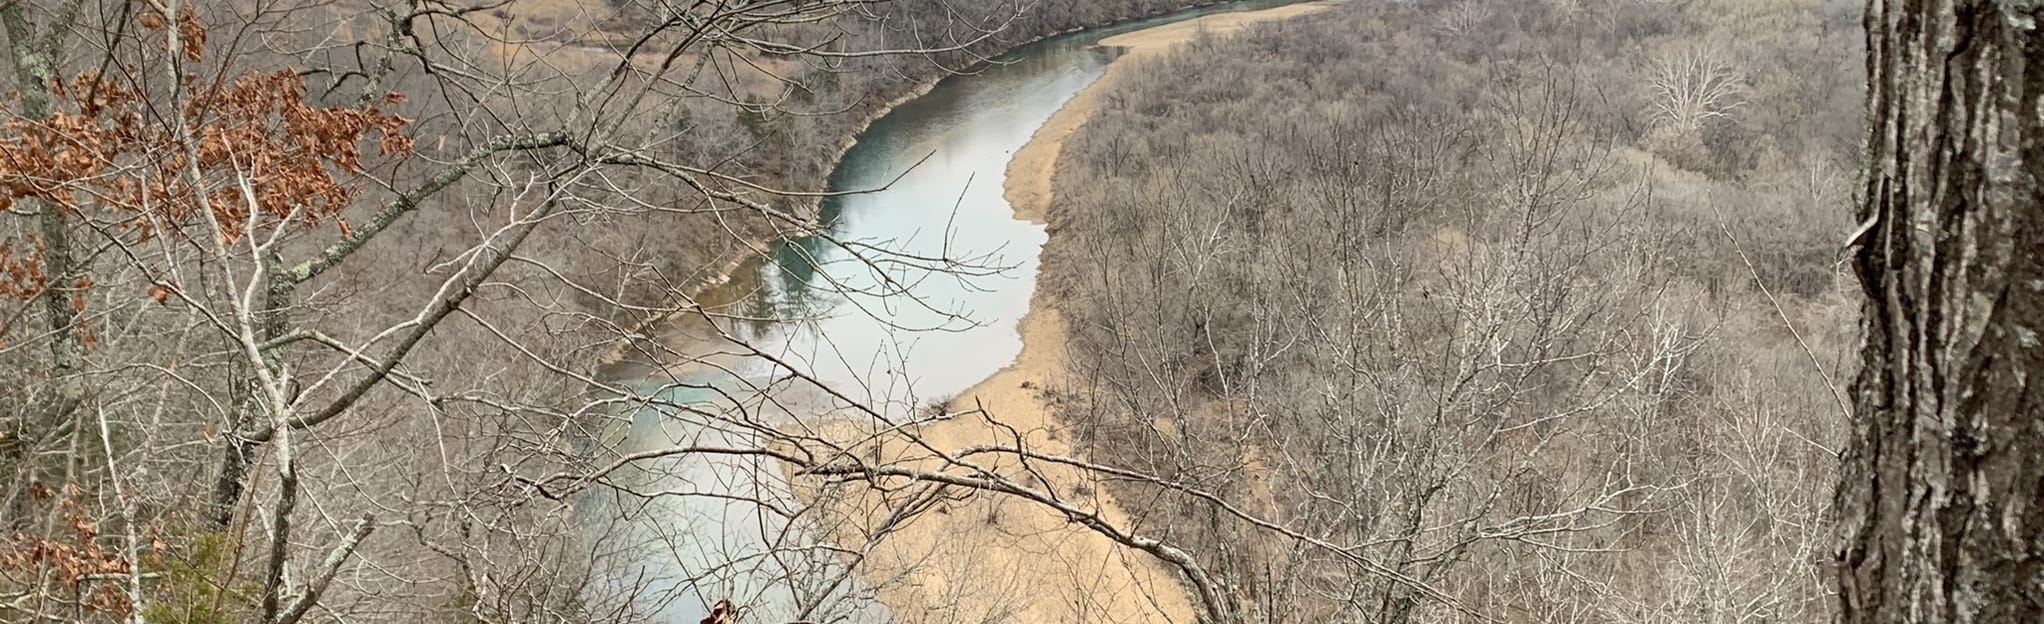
[903, 297]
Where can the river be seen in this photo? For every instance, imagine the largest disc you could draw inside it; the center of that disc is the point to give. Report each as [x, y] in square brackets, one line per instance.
[904, 297]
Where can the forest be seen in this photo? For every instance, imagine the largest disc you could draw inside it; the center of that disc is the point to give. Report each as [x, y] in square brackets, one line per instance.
[1540, 301]
[590, 312]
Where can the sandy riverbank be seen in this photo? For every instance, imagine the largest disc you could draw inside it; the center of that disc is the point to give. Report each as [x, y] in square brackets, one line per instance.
[1029, 173]
[995, 559]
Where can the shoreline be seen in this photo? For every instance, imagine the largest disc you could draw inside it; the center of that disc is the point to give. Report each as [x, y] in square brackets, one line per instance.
[966, 561]
[809, 208]
[977, 556]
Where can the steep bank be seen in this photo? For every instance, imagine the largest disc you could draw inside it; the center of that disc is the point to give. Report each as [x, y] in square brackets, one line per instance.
[989, 558]
[722, 281]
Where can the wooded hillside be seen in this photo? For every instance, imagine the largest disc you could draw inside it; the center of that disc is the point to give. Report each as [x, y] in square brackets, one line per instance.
[1524, 310]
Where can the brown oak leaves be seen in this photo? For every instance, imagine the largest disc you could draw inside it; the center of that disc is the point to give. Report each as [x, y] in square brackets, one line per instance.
[249, 154]
[209, 160]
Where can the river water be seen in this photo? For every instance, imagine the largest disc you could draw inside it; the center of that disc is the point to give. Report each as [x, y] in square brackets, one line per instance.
[904, 297]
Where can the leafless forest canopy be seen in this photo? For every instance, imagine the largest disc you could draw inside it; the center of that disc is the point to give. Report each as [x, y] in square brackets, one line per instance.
[1537, 302]
[1433, 311]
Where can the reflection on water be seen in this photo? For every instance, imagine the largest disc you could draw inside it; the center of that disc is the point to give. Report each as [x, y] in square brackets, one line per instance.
[913, 292]
[904, 295]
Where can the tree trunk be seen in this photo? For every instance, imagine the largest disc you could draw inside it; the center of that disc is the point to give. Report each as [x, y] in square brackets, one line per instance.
[33, 54]
[238, 453]
[1942, 503]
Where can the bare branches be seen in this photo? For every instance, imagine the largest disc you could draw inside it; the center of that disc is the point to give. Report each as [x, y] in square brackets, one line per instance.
[309, 596]
[1341, 361]
[1693, 84]
[308, 352]
[412, 199]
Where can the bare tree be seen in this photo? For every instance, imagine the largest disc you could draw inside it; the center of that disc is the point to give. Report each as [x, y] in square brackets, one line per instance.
[1692, 84]
[1462, 18]
[250, 268]
[318, 333]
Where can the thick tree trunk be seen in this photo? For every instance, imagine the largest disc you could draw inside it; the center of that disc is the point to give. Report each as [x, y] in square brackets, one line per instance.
[1942, 502]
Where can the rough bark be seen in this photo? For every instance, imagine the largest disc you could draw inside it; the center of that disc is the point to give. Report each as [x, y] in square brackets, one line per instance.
[1942, 502]
[33, 53]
